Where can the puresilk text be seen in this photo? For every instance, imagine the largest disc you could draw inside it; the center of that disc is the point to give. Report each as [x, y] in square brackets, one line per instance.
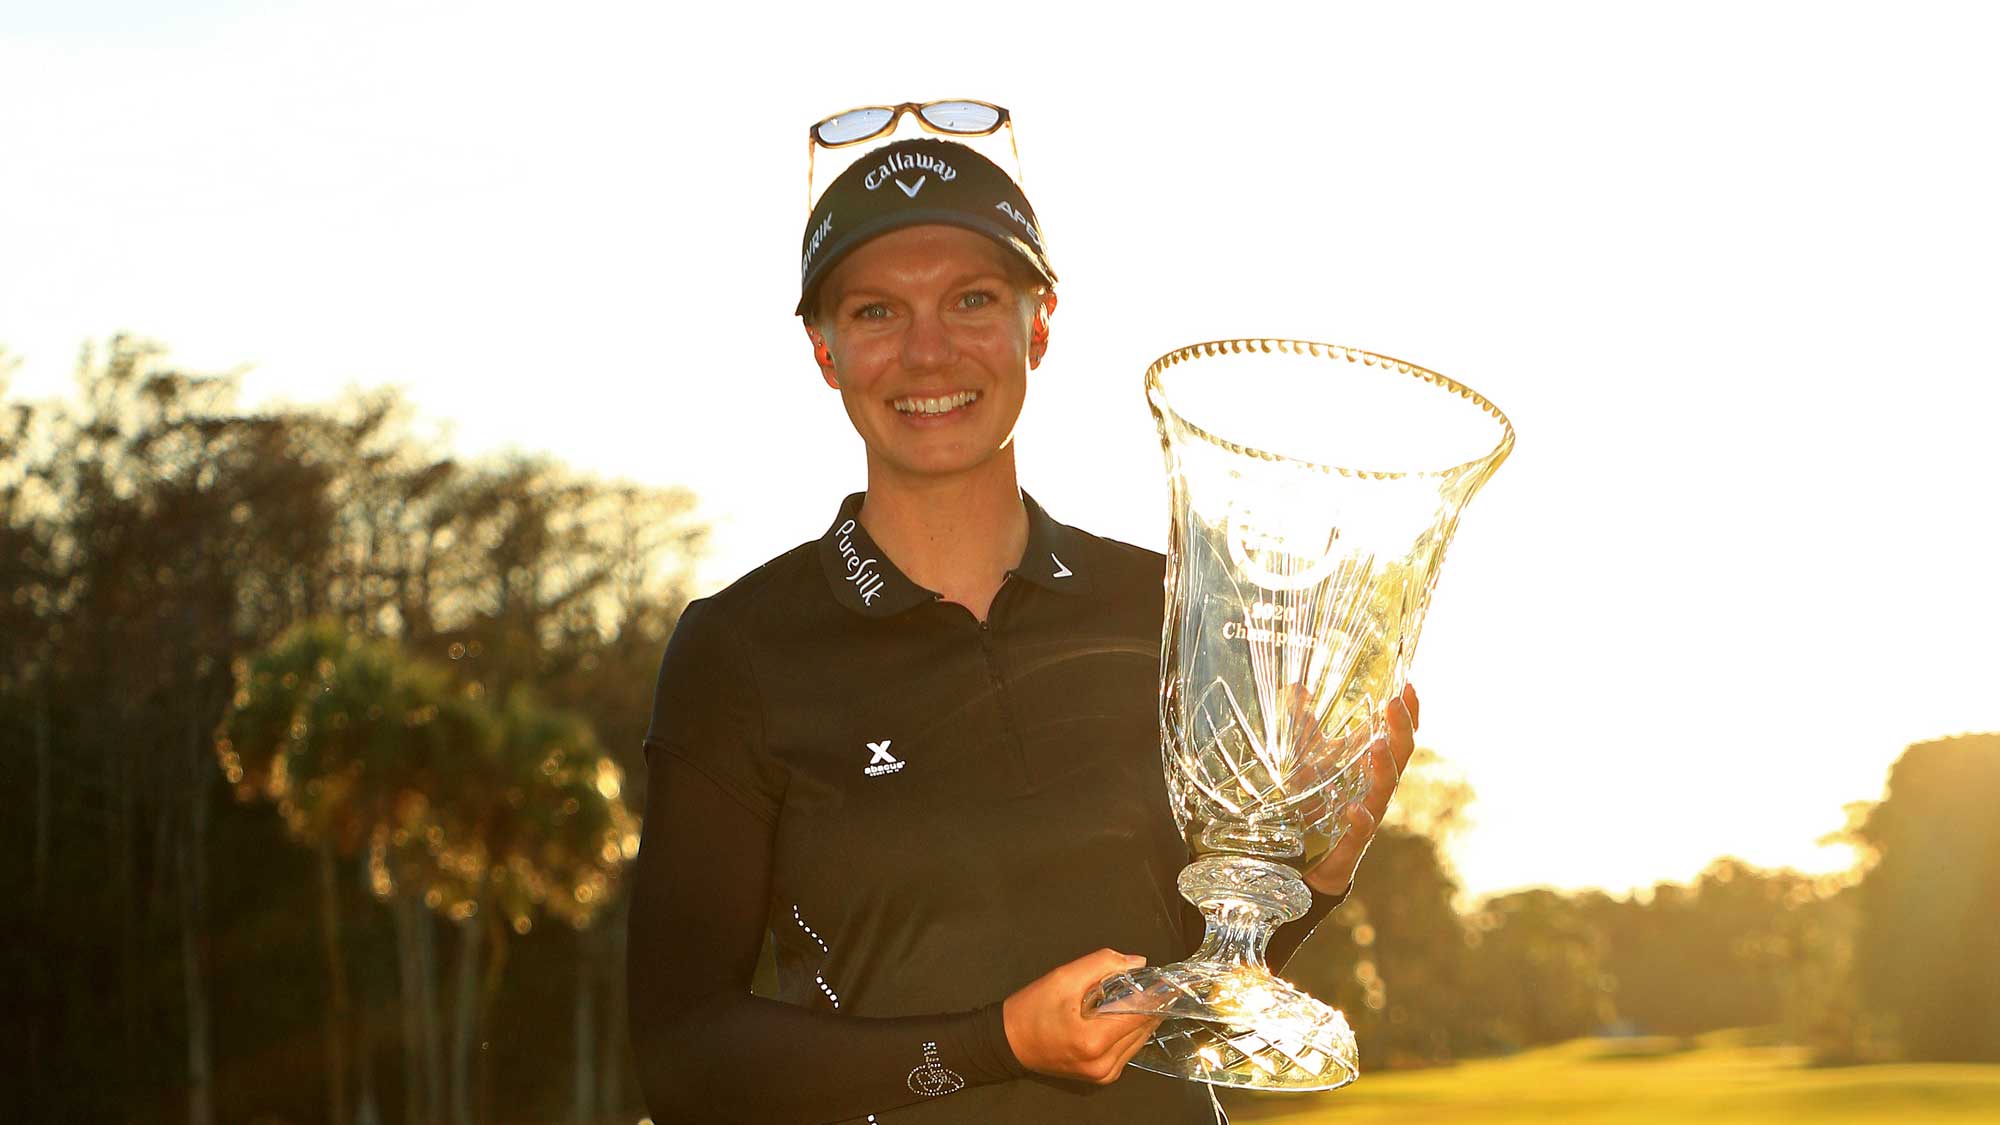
[867, 580]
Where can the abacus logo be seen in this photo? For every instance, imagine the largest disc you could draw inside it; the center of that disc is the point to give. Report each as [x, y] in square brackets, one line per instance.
[880, 761]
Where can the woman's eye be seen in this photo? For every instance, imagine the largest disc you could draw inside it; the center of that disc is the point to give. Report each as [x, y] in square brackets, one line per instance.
[871, 312]
[977, 299]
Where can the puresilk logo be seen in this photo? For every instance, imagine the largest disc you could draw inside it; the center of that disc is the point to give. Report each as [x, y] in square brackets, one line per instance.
[900, 162]
[867, 580]
[819, 234]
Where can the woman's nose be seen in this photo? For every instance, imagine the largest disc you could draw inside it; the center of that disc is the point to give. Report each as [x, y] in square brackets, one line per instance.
[927, 343]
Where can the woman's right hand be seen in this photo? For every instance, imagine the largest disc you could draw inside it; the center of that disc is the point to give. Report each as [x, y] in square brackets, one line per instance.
[1051, 1033]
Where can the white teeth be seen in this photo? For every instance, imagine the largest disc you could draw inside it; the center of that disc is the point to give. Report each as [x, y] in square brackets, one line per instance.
[935, 405]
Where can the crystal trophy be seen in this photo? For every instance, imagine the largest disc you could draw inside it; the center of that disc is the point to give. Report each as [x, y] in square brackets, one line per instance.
[1314, 490]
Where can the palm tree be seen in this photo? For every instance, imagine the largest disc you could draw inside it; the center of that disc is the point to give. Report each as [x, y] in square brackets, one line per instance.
[350, 740]
[578, 837]
[543, 828]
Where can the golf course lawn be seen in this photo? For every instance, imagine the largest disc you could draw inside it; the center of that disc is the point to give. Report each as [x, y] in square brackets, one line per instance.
[1717, 1079]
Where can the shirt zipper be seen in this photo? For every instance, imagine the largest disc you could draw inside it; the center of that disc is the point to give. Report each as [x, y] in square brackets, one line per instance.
[993, 670]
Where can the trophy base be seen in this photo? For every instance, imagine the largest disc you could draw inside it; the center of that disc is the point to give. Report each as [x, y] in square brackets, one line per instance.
[1230, 1025]
[1227, 1019]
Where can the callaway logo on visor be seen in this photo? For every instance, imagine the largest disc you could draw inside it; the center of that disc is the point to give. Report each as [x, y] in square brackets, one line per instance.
[936, 181]
[896, 163]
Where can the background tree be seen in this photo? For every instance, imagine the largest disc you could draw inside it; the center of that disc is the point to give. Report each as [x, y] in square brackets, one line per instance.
[28, 587]
[1536, 973]
[487, 817]
[152, 533]
[147, 503]
[1392, 956]
[1718, 953]
[347, 738]
[1822, 1009]
[1928, 919]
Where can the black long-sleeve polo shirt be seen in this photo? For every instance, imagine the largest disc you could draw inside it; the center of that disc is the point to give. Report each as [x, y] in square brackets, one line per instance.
[925, 812]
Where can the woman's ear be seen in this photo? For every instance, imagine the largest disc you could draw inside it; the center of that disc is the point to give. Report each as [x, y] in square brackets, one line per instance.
[1038, 333]
[823, 357]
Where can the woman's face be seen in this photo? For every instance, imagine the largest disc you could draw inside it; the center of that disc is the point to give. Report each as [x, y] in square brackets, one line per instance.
[929, 338]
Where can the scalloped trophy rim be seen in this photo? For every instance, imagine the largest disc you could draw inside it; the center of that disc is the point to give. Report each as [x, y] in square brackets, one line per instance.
[1481, 465]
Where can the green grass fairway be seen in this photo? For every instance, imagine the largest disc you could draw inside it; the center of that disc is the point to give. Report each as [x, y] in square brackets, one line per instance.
[1718, 1080]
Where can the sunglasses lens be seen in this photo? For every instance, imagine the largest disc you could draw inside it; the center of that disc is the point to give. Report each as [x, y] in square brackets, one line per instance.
[854, 125]
[961, 117]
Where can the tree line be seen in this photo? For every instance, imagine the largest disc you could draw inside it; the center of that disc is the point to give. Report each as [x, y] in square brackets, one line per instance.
[322, 737]
[1893, 960]
[327, 746]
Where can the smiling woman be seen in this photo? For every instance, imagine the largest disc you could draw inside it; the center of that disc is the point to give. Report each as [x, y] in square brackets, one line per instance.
[921, 752]
[927, 339]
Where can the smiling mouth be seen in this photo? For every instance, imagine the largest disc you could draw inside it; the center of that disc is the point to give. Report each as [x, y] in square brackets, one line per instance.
[928, 407]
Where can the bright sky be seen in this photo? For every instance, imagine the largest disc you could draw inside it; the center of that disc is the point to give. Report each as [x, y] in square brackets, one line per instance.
[1731, 269]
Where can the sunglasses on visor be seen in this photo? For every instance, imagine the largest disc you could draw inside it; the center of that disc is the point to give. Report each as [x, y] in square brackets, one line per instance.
[962, 118]
[958, 118]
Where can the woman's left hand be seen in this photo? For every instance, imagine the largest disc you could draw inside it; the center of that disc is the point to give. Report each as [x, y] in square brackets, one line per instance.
[1387, 757]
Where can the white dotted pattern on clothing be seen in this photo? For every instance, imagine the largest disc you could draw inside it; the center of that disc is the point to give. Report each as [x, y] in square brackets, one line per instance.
[820, 980]
[933, 1079]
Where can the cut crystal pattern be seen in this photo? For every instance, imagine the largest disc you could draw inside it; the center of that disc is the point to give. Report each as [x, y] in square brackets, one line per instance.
[1314, 491]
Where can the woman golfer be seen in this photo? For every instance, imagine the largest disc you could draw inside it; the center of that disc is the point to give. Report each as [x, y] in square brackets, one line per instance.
[921, 751]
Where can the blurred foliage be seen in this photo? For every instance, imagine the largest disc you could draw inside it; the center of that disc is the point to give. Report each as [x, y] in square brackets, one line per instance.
[1928, 951]
[1900, 965]
[1538, 969]
[1392, 957]
[1734, 934]
[428, 680]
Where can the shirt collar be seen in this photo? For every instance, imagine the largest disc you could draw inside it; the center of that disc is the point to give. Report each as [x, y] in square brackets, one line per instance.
[865, 581]
[1055, 556]
[862, 577]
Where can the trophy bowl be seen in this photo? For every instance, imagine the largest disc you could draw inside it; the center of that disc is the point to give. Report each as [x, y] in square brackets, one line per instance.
[1314, 490]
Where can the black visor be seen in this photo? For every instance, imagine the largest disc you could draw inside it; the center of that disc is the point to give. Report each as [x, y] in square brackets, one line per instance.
[911, 183]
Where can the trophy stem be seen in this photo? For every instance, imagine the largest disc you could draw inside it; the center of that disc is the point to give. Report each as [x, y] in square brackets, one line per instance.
[1237, 934]
[1239, 892]
[1228, 1020]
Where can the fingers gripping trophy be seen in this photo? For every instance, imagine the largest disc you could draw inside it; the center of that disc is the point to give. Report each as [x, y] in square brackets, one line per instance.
[1314, 490]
